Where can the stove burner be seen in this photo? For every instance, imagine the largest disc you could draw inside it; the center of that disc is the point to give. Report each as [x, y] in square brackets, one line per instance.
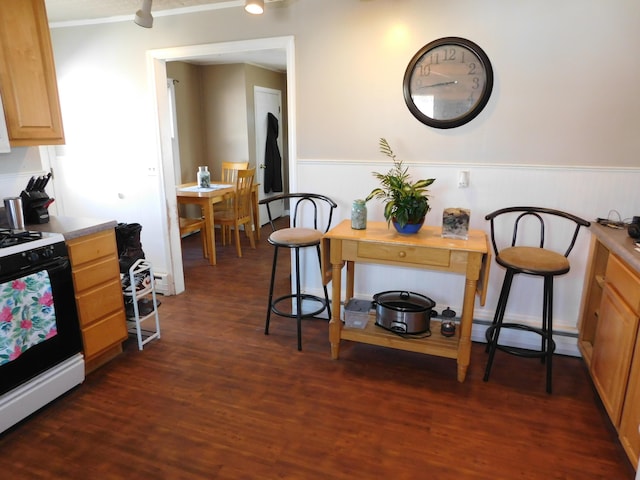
[9, 237]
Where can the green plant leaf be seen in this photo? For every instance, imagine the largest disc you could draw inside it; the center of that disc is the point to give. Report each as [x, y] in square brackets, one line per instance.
[404, 201]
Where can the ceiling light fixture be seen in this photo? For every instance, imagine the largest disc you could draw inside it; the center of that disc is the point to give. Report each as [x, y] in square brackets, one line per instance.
[255, 7]
[143, 16]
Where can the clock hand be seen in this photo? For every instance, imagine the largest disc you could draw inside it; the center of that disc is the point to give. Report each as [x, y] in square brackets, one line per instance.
[441, 84]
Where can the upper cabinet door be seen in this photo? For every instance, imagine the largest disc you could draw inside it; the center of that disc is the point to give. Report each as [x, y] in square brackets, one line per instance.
[27, 75]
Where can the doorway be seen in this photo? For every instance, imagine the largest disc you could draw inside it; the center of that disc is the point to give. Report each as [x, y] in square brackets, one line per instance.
[158, 76]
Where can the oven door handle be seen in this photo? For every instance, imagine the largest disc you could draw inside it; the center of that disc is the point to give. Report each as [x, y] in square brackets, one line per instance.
[60, 263]
[53, 265]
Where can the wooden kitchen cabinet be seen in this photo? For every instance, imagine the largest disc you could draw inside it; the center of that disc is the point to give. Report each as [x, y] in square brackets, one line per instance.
[98, 291]
[613, 348]
[609, 337]
[27, 75]
[630, 421]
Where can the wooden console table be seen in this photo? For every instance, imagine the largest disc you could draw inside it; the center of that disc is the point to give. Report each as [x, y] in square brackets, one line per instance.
[427, 249]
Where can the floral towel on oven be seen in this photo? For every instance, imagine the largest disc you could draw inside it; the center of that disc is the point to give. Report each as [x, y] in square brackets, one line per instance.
[27, 315]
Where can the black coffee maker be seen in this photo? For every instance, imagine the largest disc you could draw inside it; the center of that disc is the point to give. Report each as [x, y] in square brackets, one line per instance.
[634, 228]
[35, 201]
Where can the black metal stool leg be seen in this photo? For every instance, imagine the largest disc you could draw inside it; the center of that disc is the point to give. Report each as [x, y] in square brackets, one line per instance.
[298, 300]
[273, 277]
[493, 333]
[501, 307]
[545, 320]
[548, 325]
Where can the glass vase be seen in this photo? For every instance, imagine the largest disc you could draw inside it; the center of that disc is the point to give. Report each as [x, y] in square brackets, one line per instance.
[359, 215]
[204, 177]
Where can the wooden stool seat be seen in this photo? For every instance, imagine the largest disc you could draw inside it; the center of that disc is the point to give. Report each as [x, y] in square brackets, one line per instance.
[534, 260]
[295, 237]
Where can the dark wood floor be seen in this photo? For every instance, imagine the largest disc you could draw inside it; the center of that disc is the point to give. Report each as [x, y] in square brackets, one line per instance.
[215, 398]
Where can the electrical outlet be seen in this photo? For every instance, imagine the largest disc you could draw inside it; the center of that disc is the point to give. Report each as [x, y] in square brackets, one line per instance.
[161, 282]
[152, 171]
[463, 178]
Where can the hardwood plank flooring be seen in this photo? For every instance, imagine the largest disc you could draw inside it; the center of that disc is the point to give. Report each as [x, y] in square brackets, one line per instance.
[215, 398]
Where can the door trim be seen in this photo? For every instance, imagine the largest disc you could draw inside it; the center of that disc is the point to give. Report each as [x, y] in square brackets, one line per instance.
[157, 73]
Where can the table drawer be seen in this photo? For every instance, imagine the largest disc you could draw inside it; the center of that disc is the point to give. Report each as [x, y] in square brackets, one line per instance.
[624, 281]
[404, 254]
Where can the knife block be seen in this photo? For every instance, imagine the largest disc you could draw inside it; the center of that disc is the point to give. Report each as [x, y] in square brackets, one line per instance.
[33, 206]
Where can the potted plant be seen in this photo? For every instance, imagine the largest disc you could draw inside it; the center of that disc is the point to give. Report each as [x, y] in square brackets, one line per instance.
[406, 202]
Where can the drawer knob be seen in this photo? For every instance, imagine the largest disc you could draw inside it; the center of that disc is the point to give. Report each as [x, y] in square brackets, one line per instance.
[402, 254]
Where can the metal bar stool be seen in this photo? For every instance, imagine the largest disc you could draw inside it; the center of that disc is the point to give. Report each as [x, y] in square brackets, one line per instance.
[529, 260]
[314, 208]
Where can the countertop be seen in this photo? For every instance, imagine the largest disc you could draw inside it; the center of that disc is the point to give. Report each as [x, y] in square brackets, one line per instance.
[73, 227]
[619, 242]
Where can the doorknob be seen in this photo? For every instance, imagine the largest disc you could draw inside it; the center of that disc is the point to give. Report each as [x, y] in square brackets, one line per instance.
[263, 166]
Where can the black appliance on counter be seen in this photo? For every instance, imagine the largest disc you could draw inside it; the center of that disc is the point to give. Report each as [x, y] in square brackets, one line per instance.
[35, 201]
[48, 369]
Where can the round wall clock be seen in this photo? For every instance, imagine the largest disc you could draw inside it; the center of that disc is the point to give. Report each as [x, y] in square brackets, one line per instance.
[448, 82]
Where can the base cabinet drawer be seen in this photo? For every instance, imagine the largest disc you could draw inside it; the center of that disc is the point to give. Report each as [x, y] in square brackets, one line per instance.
[104, 334]
[89, 248]
[626, 283]
[98, 302]
[100, 272]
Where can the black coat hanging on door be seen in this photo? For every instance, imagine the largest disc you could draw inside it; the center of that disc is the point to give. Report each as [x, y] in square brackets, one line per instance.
[272, 159]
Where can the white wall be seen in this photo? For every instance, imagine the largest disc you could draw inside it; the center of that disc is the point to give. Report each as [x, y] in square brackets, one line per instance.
[227, 134]
[560, 187]
[18, 166]
[564, 98]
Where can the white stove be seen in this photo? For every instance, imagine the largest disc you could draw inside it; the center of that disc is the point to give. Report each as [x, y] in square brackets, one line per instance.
[18, 241]
[50, 366]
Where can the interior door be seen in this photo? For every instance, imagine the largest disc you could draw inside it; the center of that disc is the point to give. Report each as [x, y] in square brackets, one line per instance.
[266, 100]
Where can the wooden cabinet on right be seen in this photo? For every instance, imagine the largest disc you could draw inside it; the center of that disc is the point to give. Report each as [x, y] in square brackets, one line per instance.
[630, 421]
[613, 348]
[27, 75]
[609, 337]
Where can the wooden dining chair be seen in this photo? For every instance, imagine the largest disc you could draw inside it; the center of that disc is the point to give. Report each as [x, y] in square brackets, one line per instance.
[229, 175]
[192, 225]
[240, 211]
[230, 171]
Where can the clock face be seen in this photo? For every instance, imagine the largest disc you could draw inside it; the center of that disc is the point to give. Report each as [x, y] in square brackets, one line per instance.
[448, 82]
